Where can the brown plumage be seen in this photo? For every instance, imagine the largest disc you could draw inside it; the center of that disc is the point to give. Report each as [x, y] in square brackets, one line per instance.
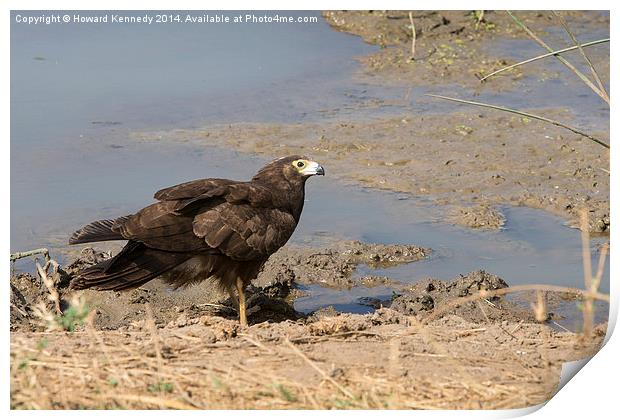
[208, 228]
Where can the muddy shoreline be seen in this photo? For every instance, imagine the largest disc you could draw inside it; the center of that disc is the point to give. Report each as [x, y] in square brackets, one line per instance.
[154, 346]
[467, 160]
[451, 46]
[470, 159]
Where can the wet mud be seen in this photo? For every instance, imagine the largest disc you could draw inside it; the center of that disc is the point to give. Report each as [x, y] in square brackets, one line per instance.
[450, 46]
[465, 159]
[272, 295]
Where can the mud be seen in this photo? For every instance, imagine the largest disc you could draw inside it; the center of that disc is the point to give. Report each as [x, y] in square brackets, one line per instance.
[477, 217]
[272, 294]
[334, 265]
[466, 159]
[424, 296]
[153, 347]
[450, 45]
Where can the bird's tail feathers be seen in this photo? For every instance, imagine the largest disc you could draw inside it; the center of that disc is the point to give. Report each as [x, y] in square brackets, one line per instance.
[101, 230]
[134, 266]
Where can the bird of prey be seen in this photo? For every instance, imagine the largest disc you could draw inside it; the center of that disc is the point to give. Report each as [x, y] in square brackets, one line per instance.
[205, 229]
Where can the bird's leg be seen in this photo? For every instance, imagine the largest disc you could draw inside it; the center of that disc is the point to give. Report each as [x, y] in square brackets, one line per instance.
[233, 298]
[241, 291]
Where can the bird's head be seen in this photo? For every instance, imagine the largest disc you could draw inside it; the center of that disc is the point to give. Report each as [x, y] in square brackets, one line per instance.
[294, 169]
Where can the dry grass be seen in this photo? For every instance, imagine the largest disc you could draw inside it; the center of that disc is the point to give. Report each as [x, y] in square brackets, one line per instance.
[351, 361]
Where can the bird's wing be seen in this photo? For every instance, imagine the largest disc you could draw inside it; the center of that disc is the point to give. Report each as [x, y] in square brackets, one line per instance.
[160, 227]
[244, 232]
[168, 224]
[193, 189]
[239, 219]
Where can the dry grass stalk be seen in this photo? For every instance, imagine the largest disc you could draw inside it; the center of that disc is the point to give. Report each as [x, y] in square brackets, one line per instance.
[579, 74]
[455, 365]
[596, 281]
[525, 114]
[235, 375]
[50, 280]
[482, 294]
[413, 36]
[598, 80]
[318, 369]
[540, 307]
[540, 57]
[18, 255]
[480, 18]
[591, 283]
[588, 304]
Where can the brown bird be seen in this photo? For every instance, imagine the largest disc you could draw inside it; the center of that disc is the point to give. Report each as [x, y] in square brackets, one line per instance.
[205, 229]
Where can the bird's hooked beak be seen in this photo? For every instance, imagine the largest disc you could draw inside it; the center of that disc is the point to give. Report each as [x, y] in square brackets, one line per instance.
[313, 168]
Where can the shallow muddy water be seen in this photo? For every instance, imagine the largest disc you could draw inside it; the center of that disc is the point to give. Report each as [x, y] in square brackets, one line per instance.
[78, 92]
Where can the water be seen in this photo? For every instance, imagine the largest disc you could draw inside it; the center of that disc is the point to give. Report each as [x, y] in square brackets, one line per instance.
[77, 92]
[533, 247]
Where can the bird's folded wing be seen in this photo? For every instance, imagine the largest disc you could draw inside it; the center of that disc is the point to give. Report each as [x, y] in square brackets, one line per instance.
[239, 219]
[159, 226]
[191, 189]
[195, 194]
[243, 232]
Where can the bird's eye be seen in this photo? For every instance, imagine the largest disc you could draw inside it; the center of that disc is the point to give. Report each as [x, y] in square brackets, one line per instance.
[300, 164]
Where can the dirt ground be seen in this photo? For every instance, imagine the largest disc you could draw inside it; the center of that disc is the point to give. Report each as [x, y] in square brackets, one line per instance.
[382, 360]
[157, 348]
[187, 350]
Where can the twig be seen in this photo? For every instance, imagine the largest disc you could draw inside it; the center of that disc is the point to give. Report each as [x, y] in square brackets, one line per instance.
[585, 250]
[19, 255]
[50, 281]
[217, 306]
[601, 265]
[13, 305]
[525, 114]
[479, 19]
[513, 289]
[583, 54]
[540, 57]
[588, 305]
[514, 330]
[413, 36]
[559, 57]
[560, 326]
